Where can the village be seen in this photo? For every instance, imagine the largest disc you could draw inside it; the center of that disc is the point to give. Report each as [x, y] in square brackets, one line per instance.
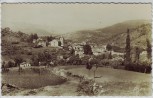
[55, 56]
[76, 49]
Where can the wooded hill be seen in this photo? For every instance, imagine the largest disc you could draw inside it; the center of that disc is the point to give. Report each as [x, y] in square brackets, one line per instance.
[116, 34]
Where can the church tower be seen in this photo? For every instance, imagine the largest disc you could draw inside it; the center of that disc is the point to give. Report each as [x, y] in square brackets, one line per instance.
[62, 41]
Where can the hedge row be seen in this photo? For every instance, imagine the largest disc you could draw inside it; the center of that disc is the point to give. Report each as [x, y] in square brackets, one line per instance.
[138, 68]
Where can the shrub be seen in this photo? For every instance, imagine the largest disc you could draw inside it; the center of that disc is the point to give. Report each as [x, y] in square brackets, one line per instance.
[29, 53]
[39, 46]
[61, 62]
[89, 87]
[15, 42]
[105, 62]
[109, 47]
[100, 57]
[84, 59]
[144, 67]
[11, 64]
[74, 59]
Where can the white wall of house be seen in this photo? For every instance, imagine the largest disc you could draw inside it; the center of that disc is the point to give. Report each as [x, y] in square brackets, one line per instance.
[42, 43]
[24, 64]
[54, 43]
[80, 53]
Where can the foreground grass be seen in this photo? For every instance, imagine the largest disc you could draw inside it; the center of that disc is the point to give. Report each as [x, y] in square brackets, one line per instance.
[31, 79]
[114, 82]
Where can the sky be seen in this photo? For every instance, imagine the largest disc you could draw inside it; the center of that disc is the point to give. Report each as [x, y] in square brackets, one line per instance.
[67, 18]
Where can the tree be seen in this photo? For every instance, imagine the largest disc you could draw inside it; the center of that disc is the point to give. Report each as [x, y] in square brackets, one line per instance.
[18, 61]
[41, 57]
[72, 51]
[128, 48]
[35, 61]
[47, 56]
[148, 49]
[137, 54]
[110, 55]
[87, 49]
[35, 36]
[49, 38]
[30, 39]
[10, 64]
[109, 47]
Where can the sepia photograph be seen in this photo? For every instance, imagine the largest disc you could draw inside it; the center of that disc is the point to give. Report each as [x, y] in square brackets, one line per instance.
[76, 49]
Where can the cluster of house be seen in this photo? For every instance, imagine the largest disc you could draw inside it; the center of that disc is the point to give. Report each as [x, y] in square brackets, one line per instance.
[57, 42]
[78, 47]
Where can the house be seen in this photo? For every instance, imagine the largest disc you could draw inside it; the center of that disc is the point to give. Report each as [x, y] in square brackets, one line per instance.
[80, 53]
[98, 50]
[78, 46]
[41, 42]
[24, 64]
[54, 43]
[58, 42]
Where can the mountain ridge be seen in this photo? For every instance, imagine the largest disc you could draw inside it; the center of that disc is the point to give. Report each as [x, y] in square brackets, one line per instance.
[109, 34]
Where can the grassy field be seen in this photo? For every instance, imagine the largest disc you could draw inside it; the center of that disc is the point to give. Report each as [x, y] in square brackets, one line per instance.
[31, 79]
[110, 74]
[114, 82]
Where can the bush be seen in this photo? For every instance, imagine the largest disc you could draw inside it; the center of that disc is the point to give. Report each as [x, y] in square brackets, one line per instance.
[84, 59]
[89, 88]
[15, 42]
[144, 67]
[39, 46]
[74, 60]
[29, 53]
[105, 62]
[61, 62]
[11, 64]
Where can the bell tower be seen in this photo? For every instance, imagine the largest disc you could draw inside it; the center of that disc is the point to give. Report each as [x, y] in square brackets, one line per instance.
[62, 41]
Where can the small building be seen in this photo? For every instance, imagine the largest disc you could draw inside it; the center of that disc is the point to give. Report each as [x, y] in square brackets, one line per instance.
[34, 40]
[41, 43]
[60, 57]
[80, 53]
[58, 42]
[54, 43]
[77, 47]
[24, 64]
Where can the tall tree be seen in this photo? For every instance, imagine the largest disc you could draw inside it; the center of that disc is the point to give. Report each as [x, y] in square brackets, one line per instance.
[50, 38]
[148, 49]
[137, 54]
[72, 51]
[35, 36]
[128, 48]
[87, 49]
[110, 55]
[30, 39]
[109, 47]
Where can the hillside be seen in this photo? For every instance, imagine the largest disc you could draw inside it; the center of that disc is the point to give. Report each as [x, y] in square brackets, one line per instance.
[9, 36]
[116, 33]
